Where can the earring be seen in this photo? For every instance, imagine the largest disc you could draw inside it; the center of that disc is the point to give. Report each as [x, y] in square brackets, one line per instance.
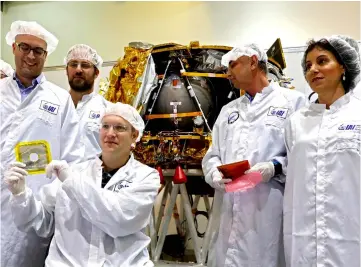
[344, 77]
[132, 146]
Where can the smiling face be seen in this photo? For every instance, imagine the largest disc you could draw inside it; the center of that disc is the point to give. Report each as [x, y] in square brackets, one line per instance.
[116, 135]
[323, 71]
[29, 63]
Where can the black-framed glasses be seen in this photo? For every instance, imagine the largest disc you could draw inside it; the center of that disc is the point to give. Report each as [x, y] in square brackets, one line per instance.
[26, 48]
[83, 65]
[117, 128]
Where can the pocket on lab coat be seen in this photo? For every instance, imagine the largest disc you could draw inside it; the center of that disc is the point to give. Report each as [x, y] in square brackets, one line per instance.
[275, 122]
[348, 143]
[46, 117]
[92, 126]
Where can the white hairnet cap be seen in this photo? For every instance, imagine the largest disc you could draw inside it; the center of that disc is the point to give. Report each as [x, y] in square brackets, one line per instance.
[32, 28]
[128, 113]
[348, 51]
[245, 50]
[6, 68]
[84, 52]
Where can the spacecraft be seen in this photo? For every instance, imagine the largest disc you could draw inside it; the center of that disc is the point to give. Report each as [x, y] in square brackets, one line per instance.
[179, 90]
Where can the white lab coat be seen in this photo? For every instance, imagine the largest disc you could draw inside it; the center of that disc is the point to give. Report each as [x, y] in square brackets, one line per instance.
[250, 226]
[29, 121]
[90, 110]
[94, 226]
[322, 194]
[356, 92]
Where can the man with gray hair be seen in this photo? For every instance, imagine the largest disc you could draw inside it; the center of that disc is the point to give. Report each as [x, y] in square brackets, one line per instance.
[249, 230]
[82, 68]
[38, 123]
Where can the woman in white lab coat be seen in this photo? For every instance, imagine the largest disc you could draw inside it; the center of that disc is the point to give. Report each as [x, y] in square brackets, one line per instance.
[322, 194]
[98, 209]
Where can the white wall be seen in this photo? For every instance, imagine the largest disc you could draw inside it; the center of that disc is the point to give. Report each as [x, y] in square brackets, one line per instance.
[109, 26]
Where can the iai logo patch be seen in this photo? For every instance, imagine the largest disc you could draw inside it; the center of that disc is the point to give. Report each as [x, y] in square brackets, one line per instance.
[350, 127]
[233, 117]
[94, 114]
[121, 185]
[278, 112]
[49, 107]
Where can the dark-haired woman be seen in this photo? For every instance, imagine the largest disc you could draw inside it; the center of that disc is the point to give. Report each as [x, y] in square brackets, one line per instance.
[322, 194]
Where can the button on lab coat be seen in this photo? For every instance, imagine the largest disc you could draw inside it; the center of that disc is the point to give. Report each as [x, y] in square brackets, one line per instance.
[250, 223]
[322, 194]
[30, 121]
[94, 226]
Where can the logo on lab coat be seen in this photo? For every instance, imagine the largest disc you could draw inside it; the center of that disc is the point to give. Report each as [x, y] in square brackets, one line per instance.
[119, 186]
[49, 107]
[278, 112]
[94, 114]
[233, 117]
[350, 127]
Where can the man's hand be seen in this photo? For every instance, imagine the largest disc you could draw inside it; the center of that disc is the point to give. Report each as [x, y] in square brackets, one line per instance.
[59, 168]
[15, 177]
[218, 182]
[266, 169]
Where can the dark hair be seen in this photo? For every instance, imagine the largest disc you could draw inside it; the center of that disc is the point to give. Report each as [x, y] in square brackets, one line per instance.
[263, 66]
[325, 45]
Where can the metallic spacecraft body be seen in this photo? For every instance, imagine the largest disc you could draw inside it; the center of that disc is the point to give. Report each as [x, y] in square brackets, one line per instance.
[179, 91]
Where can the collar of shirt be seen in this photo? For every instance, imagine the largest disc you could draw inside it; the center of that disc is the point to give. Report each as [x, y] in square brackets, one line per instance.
[106, 176]
[250, 98]
[338, 104]
[87, 97]
[265, 91]
[34, 83]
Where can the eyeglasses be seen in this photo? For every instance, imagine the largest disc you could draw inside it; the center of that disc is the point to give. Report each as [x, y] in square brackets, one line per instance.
[83, 65]
[25, 48]
[117, 128]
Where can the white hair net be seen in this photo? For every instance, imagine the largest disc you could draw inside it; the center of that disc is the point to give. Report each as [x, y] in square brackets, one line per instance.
[6, 68]
[128, 113]
[348, 51]
[245, 50]
[32, 28]
[84, 52]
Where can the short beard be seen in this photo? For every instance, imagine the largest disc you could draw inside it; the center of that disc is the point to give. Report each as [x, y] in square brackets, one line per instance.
[86, 86]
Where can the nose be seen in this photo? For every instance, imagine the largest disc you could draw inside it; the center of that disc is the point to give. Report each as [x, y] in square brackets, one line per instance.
[31, 54]
[78, 68]
[111, 131]
[229, 75]
[313, 68]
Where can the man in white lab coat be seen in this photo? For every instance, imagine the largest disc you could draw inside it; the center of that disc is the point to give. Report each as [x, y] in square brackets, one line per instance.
[32, 110]
[82, 68]
[250, 128]
[99, 208]
[5, 69]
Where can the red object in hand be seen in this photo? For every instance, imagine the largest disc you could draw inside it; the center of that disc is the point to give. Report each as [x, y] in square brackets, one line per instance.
[179, 176]
[235, 169]
[244, 182]
[160, 171]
